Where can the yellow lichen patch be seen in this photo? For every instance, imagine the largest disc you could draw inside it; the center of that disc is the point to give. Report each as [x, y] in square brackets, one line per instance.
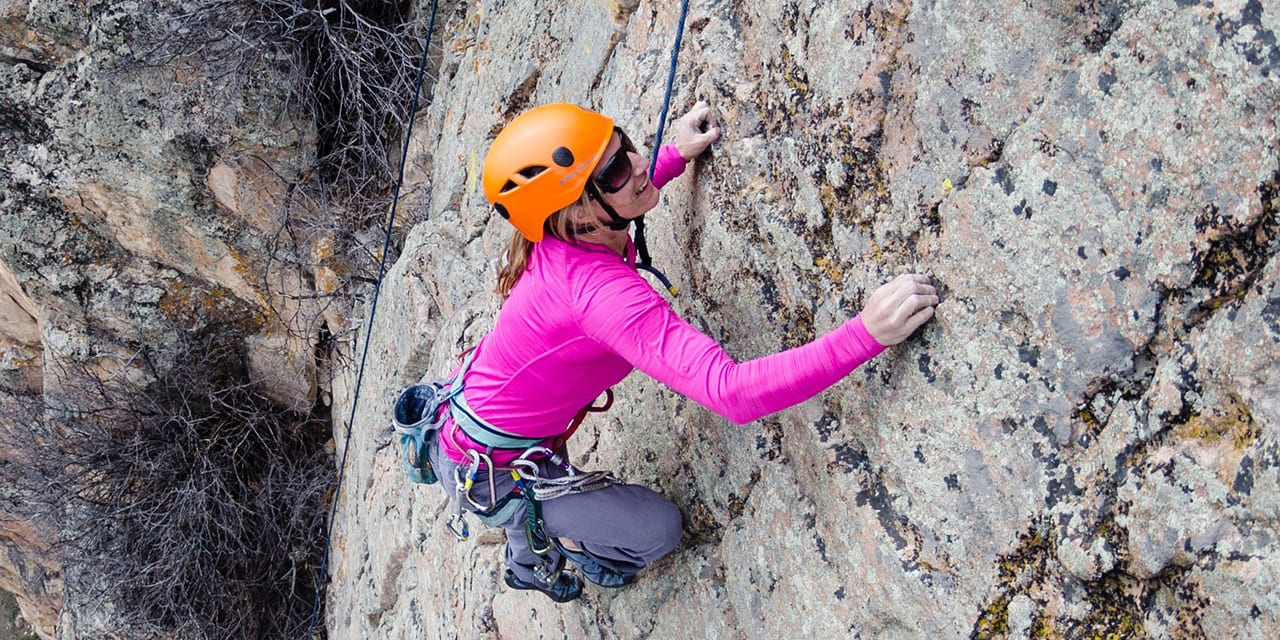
[1092, 424]
[1219, 435]
[621, 10]
[193, 306]
[830, 268]
[831, 202]
[1229, 421]
[994, 621]
[1111, 622]
[1044, 627]
[790, 75]
[1023, 571]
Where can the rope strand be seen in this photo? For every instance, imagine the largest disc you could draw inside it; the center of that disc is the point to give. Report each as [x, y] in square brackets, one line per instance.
[671, 78]
[642, 247]
[551, 488]
[322, 579]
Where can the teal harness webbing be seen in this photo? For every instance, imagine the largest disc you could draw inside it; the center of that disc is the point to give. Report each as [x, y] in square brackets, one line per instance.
[477, 428]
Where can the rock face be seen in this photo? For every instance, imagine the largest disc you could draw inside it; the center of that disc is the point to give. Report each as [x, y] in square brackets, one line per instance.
[139, 203]
[142, 201]
[1085, 441]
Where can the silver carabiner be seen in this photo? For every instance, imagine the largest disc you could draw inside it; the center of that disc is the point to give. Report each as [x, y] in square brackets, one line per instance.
[551, 455]
[457, 523]
[526, 468]
[460, 530]
[472, 472]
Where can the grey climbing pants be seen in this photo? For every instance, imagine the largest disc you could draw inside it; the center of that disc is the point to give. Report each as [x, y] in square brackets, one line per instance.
[623, 527]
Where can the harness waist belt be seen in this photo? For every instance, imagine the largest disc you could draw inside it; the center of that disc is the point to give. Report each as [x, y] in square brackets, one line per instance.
[476, 427]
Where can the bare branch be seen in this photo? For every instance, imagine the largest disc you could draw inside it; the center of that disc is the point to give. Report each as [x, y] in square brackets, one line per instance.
[194, 503]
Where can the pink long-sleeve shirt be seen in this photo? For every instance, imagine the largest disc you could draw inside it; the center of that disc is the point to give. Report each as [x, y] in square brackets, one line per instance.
[581, 318]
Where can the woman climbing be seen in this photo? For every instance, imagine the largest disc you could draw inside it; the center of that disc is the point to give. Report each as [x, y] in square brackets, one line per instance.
[577, 318]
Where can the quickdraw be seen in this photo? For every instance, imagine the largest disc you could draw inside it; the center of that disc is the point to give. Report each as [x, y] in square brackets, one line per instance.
[534, 530]
[457, 524]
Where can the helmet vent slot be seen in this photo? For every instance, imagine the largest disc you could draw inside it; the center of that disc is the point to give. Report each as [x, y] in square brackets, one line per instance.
[528, 173]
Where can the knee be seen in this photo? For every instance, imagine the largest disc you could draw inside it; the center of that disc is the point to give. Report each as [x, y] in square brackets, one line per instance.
[665, 527]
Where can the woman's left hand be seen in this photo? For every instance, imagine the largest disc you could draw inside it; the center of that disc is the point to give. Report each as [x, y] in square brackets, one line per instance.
[696, 130]
[899, 307]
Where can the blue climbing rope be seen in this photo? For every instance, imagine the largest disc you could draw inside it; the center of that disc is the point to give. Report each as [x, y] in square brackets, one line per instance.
[671, 78]
[642, 247]
[322, 579]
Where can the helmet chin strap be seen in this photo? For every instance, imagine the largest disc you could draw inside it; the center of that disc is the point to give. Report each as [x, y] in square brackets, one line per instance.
[618, 223]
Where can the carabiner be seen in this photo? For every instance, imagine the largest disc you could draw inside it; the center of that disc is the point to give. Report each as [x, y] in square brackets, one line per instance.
[521, 469]
[539, 544]
[457, 523]
[460, 530]
[551, 455]
[472, 472]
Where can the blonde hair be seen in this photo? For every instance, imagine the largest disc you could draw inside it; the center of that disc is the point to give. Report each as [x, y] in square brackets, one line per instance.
[565, 224]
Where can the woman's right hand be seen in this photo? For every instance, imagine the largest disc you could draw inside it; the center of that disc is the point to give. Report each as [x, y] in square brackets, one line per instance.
[696, 130]
[896, 309]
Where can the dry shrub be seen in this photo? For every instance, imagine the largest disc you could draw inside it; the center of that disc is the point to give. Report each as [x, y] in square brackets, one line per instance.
[189, 506]
[351, 65]
[348, 65]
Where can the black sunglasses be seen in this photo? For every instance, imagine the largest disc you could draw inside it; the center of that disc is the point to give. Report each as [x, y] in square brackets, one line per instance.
[616, 172]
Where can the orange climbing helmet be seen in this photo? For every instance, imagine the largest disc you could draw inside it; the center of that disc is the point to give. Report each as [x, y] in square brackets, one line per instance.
[541, 162]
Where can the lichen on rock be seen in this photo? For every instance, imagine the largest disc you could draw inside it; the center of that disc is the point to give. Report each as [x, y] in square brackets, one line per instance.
[1082, 442]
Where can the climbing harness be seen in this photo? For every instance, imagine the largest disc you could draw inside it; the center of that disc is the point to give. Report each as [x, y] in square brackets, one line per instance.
[323, 576]
[642, 246]
[423, 409]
